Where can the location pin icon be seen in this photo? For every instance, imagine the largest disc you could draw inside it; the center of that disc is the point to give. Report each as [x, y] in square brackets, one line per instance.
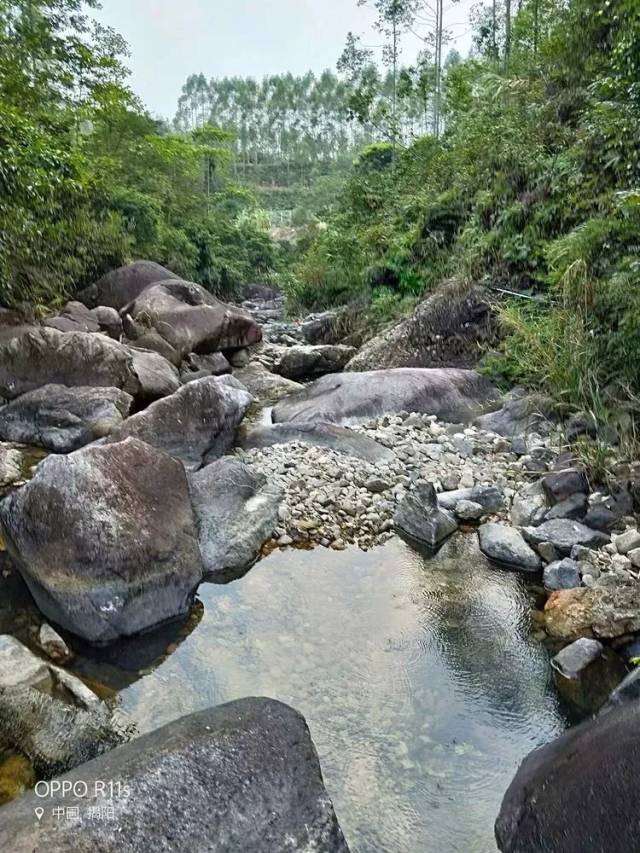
[39, 812]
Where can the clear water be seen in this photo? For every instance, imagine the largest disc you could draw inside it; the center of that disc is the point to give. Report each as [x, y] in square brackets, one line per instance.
[418, 677]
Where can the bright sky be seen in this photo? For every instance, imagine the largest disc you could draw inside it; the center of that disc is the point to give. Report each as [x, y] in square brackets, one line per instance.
[170, 39]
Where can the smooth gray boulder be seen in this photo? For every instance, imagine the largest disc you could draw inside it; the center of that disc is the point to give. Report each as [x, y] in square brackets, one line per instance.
[562, 574]
[340, 439]
[62, 419]
[240, 778]
[419, 516]
[181, 317]
[118, 287]
[453, 395]
[105, 539]
[490, 498]
[198, 422]
[563, 534]
[305, 362]
[50, 357]
[265, 386]
[505, 545]
[577, 793]
[236, 511]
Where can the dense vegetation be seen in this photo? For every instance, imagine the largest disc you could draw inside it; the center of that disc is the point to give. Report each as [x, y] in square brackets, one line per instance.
[533, 187]
[88, 179]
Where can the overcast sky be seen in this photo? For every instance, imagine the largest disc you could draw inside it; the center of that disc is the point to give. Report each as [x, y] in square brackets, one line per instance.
[170, 39]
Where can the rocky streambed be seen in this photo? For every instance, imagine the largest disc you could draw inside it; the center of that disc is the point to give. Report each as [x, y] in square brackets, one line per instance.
[183, 447]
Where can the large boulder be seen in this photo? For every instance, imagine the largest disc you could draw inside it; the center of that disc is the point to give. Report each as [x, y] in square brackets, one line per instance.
[236, 511]
[62, 419]
[240, 778]
[74, 317]
[105, 539]
[118, 287]
[577, 794]
[453, 395]
[186, 318]
[419, 516]
[506, 546]
[342, 440]
[265, 386]
[198, 422]
[306, 362]
[449, 329]
[50, 357]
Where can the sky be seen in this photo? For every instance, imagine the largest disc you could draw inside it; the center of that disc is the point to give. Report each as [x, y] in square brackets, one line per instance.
[170, 39]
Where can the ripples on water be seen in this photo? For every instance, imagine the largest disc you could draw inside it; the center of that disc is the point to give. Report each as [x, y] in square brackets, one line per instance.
[418, 679]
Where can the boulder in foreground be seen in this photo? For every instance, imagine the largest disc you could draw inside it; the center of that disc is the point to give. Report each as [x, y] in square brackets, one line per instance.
[578, 793]
[240, 778]
[105, 539]
[453, 395]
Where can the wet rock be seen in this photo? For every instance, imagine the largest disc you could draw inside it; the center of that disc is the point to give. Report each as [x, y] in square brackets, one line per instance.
[105, 539]
[585, 672]
[563, 534]
[55, 736]
[340, 439]
[52, 644]
[188, 319]
[575, 658]
[562, 574]
[236, 511]
[453, 395]
[50, 357]
[249, 782]
[119, 287]
[10, 465]
[627, 691]
[505, 545]
[469, 510]
[577, 793]
[62, 419]
[627, 541]
[304, 362]
[562, 484]
[419, 516]
[195, 424]
[490, 498]
[265, 386]
[573, 507]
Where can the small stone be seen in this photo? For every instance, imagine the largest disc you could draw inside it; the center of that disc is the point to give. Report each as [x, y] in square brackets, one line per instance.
[53, 645]
[627, 541]
[285, 540]
[547, 552]
[577, 656]
[469, 510]
[377, 485]
[338, 545]
[562, 574]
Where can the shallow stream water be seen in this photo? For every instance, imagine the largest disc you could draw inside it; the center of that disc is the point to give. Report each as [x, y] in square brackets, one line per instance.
[418, 678]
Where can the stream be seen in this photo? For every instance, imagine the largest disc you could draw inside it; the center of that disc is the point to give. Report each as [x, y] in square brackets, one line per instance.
[418, 677]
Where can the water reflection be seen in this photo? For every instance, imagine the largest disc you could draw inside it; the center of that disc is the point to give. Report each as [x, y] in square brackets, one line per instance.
[418, 680]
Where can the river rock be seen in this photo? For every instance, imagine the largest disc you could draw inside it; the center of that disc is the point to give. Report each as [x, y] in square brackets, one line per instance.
[198, 366]
[505, 545]
[10, 465]
[490, 498]
[19, 667]
[188, 319]
[198, 422]
[52, 644]
[236, 511]
[304, 362]
[50, 357]
[469, 510]
[607, 609]
[573, 507]
[119, 287]
[453, 395]
[527, 505]
[563, 534]
[105, 539]
[521, 416]
[627, 541]
[62, 419]
[627, 691]
[577, 656]
[606, 513]
[577, 793]
[419, 516]
[74, 317]
[562, 574]
[337, 438]
[265, 386]
[109, 320]
[446, 329]
[562, 484]
[249, 782]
